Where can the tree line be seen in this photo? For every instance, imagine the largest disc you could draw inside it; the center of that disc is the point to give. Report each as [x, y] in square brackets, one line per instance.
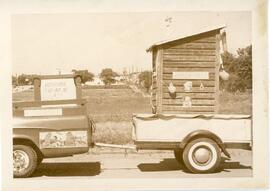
[240, 69]
[107, 75]
[238, 66]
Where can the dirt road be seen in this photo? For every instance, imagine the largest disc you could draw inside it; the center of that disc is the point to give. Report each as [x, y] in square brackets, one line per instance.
[136, 165]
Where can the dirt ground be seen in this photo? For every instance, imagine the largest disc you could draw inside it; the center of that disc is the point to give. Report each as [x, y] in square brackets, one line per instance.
[142, 164]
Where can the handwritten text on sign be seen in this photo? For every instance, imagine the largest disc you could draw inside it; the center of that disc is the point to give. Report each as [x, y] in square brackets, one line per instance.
[190, 75]
[57, 89]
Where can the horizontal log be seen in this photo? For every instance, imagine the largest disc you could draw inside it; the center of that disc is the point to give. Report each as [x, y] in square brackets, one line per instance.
[182, 64]
[169, 77]
[206, 37]
[186, 109]
[189, 58]
[196, 102]
[189, 52]
[171, 69]
[211, 39]
[187, 112]
[191, 95]
[200, 39]
[153, 103]
[50, 102]
[195, 83]
[197, 45]
[180, 89]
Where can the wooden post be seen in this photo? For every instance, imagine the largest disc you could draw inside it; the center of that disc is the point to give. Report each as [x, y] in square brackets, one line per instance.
[217, 65]
[37, 95]
[159, 63]
[224, 41]
[78, 84]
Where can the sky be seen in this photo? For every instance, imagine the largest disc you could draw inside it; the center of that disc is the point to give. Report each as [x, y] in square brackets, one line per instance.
[47, 43]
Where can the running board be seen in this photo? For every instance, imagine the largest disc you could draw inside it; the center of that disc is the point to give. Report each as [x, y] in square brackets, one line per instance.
[133, 147]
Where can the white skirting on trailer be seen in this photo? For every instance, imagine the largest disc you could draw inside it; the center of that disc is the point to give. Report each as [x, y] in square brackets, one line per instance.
[173, 128]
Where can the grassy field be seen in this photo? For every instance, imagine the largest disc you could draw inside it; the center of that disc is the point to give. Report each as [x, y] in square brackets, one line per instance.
[239, 103]
[112, 109]
[115, 104]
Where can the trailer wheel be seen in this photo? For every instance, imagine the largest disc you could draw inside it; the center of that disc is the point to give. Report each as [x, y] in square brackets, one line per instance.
[24, 161]
[202, 155]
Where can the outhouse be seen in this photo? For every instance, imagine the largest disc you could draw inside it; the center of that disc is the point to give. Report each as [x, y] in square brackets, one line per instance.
[186, 72]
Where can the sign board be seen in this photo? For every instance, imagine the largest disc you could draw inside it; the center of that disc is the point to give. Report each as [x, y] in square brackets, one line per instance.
[190, 75]
[63, 139]
[57, 89]
[43, 112]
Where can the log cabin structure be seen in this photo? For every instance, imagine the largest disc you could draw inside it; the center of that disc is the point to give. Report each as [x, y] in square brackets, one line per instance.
[186, 73]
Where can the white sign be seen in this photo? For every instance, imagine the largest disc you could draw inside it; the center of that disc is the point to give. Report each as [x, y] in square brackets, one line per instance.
[57, 89]
[190, 75]
[42, 112]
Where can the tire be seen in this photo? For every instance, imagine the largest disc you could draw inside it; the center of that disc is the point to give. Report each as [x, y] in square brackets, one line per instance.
[24, 161]
[178, 154]
[39, 160]
[202, 155]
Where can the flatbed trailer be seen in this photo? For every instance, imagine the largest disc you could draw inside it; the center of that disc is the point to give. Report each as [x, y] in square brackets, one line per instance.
[197, 140]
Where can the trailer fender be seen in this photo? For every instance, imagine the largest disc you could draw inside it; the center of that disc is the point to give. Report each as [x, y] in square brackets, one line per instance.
[204, 134]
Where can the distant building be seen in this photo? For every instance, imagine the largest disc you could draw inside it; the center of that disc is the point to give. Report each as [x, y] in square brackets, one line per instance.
[95, 82]
[134, 77]
[119, 80]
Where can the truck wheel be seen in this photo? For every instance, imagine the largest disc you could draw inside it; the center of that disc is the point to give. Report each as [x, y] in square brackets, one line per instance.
[178, 154]
[202, 155]
[24, 161]
[39, 160]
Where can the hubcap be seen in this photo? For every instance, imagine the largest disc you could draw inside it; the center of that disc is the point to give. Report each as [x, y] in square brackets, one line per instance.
[20, 160]
[202, 155]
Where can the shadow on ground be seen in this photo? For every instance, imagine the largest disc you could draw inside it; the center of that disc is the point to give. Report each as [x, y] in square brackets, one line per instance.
[68, 169]
[170, 164]
[226, 165]
[167, 164]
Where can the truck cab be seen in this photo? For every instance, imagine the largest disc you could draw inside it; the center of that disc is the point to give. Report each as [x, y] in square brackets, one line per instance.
[54, 124]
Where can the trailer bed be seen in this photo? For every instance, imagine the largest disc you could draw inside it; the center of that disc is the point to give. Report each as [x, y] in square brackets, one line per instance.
[173, 128]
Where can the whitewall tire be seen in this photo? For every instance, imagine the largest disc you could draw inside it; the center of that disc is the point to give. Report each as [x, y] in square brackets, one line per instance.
[202, 155]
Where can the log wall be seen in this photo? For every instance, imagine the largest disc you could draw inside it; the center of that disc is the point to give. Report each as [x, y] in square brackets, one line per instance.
[198, 53]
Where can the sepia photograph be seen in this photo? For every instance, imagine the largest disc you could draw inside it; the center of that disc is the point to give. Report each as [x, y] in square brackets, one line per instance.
[160, 95]
[167, 107]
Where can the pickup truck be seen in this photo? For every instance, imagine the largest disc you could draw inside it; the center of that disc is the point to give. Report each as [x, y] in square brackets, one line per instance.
[48, 128]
